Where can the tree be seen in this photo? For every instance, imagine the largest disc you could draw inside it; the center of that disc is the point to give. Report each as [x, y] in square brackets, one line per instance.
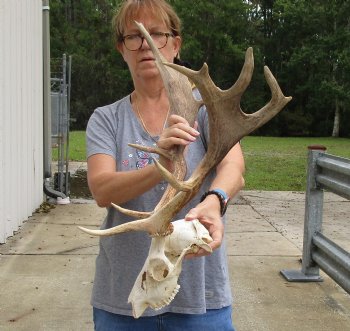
[303, 42]
[82, 28]
[316, 59]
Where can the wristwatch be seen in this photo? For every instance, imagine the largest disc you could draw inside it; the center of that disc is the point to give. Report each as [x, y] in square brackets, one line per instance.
[223, 198]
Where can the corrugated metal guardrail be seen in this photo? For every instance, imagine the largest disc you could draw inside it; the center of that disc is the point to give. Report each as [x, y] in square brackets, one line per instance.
[333, 174]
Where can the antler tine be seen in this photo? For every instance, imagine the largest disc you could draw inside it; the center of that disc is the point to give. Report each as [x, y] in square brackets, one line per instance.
[254, 121]
[158, 55]
[204, 83]
[178, 87]
[132, 213]
[138, 225]
[277, 102]
[246, 74]
[151, 149]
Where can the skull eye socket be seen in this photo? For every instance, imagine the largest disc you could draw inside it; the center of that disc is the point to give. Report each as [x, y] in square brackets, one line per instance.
[159, 269]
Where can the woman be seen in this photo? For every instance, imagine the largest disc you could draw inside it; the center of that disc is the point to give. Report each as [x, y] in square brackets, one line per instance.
[120, 174]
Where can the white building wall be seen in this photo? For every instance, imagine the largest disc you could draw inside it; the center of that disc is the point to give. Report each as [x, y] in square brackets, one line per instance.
[21, 112]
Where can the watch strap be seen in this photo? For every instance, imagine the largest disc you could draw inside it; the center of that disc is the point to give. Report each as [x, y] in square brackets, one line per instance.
[223, 198]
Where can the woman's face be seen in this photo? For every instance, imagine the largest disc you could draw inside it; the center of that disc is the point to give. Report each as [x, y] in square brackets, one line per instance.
[141, 62]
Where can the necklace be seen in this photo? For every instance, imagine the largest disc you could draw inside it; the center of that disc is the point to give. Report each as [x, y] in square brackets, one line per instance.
[144, 124]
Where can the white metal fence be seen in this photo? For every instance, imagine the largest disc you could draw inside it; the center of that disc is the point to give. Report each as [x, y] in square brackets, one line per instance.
[21, 112]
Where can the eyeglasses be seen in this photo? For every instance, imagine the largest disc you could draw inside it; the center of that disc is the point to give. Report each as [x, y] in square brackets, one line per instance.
[133, 42]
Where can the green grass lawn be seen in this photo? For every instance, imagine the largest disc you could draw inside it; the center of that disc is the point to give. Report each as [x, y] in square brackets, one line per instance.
[280, 164]
[77, 146]
[272, 163]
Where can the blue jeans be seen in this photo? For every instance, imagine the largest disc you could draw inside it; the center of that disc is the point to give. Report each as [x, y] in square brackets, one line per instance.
[212, 320]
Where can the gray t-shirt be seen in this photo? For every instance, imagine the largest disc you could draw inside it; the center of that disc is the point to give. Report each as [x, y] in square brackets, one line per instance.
[204, 281]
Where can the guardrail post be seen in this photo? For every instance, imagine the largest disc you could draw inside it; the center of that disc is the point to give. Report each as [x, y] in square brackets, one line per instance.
[312, 222]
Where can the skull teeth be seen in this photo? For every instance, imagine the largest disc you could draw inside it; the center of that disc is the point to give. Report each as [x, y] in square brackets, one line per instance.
[165, 302]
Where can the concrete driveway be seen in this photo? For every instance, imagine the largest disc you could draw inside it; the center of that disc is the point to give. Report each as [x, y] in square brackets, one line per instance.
[47, 268]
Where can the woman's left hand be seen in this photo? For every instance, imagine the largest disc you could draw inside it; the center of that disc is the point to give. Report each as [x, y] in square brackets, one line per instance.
[208, 213]
[179, 132]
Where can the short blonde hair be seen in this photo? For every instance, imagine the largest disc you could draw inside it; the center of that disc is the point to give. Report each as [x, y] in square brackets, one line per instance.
[129, 10]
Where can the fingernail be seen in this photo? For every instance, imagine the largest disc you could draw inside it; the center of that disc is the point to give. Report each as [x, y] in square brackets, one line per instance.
[196, 132]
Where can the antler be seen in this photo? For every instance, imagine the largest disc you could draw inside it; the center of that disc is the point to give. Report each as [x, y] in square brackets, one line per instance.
[224, 115]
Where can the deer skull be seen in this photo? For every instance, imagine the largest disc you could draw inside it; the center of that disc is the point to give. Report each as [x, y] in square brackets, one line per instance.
[157, 283]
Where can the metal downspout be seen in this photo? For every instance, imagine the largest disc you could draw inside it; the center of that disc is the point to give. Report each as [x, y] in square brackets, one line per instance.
[47, 104]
